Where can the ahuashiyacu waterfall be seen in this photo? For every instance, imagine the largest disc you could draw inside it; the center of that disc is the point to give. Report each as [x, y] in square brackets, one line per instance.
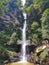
[23, 49]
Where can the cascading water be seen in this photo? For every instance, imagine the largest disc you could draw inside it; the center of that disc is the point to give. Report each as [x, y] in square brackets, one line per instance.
[24, 40]
[23, 50]
[23, 3]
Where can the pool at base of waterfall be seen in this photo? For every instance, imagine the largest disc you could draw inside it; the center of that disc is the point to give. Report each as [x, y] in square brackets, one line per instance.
[20, 63]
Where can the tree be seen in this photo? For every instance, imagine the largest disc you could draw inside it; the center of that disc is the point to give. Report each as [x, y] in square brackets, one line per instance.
[3, 37]
[40, 4]
[45, 24]
[29, 2]
[34, 32]
[18, 3]
[3, 6]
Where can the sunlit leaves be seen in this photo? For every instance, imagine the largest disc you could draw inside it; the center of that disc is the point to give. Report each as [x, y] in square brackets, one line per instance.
[45, 16]
[38, 3]
[2, 6]
[45, 23]
[18, 3]
[34, 25]
[44, 54]
[7, 1]
[28, 9]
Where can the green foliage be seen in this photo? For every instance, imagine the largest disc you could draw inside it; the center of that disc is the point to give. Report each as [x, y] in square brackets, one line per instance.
[36, 32]
[45, 23]
[1, 4]
[18, 3]
[7, 1]
[38, 3]
[41, 5]
[28, 8]
[1, 7]
[37, 24]
[35, 28]
[34, 25]
[3, 38]
[45, 16]
[43, 54]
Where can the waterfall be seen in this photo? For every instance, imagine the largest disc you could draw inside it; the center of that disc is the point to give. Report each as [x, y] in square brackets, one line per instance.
[23, 2]
[23, 49]
[24, 39]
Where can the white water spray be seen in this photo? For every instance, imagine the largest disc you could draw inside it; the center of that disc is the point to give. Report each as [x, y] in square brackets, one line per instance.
[23, 50]
[23, 2]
